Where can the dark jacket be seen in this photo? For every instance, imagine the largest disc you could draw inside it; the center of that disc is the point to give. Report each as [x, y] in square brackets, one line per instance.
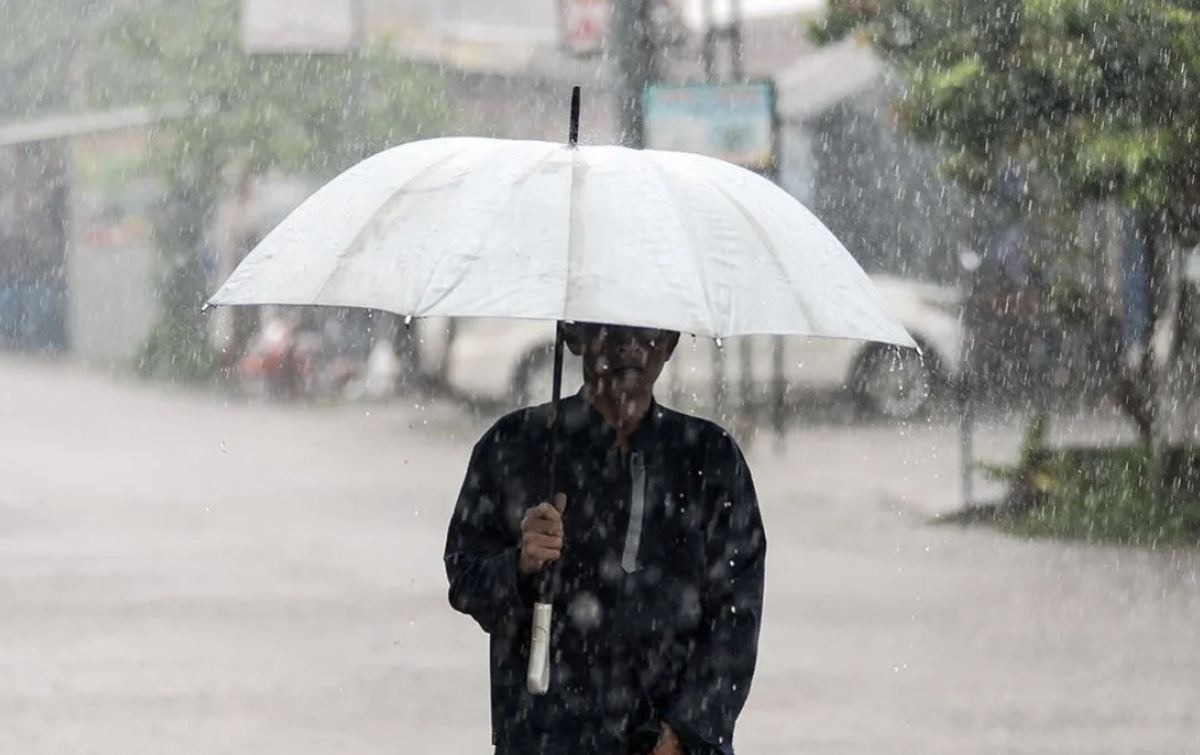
[658, 594]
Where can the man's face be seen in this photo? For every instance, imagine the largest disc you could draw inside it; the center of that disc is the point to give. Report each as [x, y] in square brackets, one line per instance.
[621, 360]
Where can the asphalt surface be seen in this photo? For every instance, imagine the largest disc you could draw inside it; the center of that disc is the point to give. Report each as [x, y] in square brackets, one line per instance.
[182, 575]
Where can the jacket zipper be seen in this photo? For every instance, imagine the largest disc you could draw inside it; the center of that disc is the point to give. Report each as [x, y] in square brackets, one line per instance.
[637, 511]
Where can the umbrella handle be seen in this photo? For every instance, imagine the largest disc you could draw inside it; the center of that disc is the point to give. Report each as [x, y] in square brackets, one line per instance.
[538, 678]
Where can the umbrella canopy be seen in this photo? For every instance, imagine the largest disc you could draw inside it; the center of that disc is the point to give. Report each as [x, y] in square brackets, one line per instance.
[474, 227]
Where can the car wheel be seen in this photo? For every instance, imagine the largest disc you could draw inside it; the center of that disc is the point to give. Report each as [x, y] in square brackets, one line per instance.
[534, 378]
[894, 382]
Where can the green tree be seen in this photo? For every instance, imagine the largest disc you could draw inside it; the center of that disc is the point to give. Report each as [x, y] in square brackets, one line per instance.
[1099, 98]
[243, 116]
[38, 45]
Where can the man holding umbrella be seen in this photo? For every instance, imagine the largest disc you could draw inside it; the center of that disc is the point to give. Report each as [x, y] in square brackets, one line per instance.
[613, 545]
[654, 549]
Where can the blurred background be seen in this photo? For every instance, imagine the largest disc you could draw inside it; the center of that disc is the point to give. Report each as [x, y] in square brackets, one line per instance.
[221, 531]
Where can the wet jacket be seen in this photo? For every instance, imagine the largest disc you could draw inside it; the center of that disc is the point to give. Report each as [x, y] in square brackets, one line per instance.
[658, 593]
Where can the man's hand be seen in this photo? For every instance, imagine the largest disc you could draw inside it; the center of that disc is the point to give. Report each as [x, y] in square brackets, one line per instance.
[668, 742]
[542, 535]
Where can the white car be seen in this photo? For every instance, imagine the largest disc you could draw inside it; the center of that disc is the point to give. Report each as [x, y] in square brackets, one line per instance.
[510, 361]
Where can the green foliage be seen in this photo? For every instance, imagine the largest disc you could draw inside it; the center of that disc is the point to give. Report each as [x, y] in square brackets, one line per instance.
[39, 42]
[841, 19]
[1100, 96]
[314, 114]
[1122, 496]
[177, 348]
[1109, 496]
[1030, 480]
[241, 115]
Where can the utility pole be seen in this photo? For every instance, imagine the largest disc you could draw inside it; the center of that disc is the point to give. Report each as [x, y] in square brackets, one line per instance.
[708, 57]
[74, 233]
[737, 52]
[731, 33]
[635, 49]
[358, 82]
[383, 328]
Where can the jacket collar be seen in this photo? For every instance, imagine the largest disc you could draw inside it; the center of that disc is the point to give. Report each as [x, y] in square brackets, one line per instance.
[581, 421]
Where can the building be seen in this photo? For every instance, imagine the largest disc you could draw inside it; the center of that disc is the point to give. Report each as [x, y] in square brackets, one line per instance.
[80, 276]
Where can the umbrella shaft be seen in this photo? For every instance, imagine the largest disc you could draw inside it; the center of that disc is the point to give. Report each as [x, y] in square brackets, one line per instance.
[545, 581]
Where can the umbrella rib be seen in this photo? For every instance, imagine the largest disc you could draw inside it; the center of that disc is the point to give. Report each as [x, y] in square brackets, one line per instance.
[571, 229]
[767, 245]
[358, 245]
[699, 268]
[475, 255]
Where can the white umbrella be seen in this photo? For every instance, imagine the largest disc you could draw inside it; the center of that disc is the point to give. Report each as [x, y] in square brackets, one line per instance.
[470, 227]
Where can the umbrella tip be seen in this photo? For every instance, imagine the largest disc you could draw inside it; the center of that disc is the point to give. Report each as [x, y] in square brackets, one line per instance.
[408, 321]
[573, 132]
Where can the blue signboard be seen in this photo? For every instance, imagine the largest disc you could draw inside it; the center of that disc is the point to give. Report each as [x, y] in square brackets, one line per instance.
[732, 122]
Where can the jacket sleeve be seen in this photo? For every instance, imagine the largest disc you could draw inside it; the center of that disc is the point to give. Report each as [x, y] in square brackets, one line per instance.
[482, 553]
[720, 670]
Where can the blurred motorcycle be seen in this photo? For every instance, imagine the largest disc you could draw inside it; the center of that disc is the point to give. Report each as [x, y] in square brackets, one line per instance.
[288, 359]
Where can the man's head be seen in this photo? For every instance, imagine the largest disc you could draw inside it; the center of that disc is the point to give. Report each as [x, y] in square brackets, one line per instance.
[618, 360]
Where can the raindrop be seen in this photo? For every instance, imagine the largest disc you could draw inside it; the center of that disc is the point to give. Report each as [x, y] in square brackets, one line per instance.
[585, 611]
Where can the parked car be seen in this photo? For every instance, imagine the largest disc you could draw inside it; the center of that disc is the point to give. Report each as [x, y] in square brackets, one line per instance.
[512, 361]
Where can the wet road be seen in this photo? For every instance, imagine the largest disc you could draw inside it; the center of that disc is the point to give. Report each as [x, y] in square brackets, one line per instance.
[182, 576]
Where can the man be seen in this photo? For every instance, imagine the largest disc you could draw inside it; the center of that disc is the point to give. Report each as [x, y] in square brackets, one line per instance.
[653, 546]
[1002, 312]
